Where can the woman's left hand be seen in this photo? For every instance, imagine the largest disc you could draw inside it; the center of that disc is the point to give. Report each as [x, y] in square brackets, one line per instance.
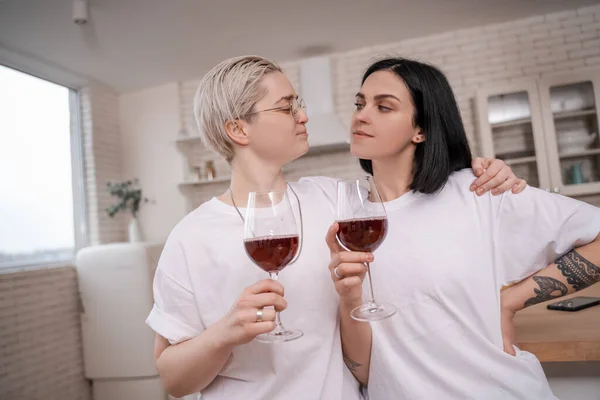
[495, 175]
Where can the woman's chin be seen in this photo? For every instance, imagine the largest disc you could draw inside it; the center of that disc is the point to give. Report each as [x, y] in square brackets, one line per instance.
[303, 147]
[357, 152]
[300, 149]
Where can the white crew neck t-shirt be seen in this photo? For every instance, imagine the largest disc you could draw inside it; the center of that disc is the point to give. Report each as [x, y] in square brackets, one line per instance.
[443, 263]
[204, 268]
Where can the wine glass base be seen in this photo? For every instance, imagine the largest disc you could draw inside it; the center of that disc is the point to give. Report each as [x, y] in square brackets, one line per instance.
[284, 336]
[373, 312]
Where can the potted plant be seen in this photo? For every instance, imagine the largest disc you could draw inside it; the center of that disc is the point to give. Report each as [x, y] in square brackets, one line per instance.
[130, 199]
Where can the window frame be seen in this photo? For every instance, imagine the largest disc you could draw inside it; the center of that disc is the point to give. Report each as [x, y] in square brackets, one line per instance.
[78, 187]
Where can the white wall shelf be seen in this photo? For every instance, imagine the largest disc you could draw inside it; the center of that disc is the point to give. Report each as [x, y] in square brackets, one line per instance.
[577, 154]
[506, 124]
[574, 114]
[188, 139]
[200, 182]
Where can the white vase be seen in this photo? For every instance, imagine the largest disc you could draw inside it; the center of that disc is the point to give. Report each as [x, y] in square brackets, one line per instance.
[135, 233]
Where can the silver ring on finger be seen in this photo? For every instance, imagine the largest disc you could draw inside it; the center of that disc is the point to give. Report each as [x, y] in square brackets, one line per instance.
[259, 315]
[336, 273]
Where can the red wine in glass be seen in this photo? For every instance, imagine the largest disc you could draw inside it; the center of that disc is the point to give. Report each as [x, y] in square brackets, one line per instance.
[272, 242]
[362, 234]
[362, 227]
[272, 253]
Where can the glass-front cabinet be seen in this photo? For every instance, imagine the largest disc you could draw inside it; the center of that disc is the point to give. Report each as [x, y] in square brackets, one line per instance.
[546, 130]
[570, 116]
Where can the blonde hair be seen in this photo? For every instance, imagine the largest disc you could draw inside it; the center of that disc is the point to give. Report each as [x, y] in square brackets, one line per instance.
[228, 92]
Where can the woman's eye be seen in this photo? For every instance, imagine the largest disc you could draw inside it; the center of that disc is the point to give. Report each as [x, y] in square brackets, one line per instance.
[359, 106]
[384, 108]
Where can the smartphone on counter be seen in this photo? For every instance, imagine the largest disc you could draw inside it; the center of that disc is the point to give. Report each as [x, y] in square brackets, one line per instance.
[574, 303]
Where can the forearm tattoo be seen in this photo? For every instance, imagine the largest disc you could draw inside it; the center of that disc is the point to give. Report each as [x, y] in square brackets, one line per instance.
[352, 365]
[580, 273]
[550, 288]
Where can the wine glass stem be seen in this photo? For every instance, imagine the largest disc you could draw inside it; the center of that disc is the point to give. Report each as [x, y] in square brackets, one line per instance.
[370, 283]
[278, 325]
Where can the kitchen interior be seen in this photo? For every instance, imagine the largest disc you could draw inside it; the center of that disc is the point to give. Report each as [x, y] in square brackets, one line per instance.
[526, 75]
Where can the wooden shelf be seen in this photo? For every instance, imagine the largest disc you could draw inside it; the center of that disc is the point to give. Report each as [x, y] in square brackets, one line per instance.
[205, 182]
[574, 114]
[577, 154]
[511, 123]
[520, 160]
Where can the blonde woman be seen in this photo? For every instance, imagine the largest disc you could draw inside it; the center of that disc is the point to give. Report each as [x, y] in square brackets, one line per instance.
[210, 300]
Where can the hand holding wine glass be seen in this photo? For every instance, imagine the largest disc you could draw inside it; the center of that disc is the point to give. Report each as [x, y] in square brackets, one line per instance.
[347, 269]
[362, 228]
[272, 242]
[240, 326]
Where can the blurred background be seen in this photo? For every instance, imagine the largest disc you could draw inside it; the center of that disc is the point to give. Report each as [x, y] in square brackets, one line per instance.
[100, 157]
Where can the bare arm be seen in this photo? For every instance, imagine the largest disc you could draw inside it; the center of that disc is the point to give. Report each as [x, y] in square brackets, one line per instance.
[571, 272]
[190, 366]
[356, 343]
[356, 336]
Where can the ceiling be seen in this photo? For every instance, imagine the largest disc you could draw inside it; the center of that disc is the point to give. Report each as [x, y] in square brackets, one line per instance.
[132, 44]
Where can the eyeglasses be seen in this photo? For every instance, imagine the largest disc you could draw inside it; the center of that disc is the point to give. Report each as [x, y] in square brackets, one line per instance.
[296, 104]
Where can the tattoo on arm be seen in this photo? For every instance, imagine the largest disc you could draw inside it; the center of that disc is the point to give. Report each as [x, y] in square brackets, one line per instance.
[549, 288]
[352, 365]
[580, 273]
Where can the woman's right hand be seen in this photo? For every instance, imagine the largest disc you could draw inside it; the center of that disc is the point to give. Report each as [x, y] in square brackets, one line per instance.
[242, 324]
[347, 269]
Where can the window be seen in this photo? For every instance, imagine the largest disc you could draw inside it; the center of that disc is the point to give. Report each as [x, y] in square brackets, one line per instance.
[41, 176]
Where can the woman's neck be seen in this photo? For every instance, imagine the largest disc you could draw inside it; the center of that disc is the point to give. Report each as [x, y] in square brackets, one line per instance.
[252, 176]
[394, 174]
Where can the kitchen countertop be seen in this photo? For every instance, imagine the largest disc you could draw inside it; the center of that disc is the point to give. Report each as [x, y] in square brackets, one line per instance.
[555, 336]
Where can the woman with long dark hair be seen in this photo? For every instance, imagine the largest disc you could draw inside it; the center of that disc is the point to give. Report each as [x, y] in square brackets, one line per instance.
[448, 253]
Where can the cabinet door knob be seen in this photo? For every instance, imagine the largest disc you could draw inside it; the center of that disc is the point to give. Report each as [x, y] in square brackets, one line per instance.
[556, 190]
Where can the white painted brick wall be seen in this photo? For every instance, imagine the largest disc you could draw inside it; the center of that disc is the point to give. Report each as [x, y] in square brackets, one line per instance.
[102, 160]
[40, 340]
[527, 48]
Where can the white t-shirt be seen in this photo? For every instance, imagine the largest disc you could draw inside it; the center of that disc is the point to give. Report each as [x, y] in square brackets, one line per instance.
[442, 264]
[204, 268]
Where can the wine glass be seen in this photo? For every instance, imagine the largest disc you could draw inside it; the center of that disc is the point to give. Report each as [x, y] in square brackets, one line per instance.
[362, 227]
[271, 240]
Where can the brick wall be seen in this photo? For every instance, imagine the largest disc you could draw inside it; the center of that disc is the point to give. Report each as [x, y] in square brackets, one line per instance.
[40, 339]
[102, 161]
[527, 48]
